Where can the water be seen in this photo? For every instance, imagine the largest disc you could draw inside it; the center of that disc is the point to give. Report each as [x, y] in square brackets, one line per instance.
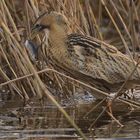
[40, 122]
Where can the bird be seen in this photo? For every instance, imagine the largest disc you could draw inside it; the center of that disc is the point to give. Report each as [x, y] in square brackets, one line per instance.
[83, 57]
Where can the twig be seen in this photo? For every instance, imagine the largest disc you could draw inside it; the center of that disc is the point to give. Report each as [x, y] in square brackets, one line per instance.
[110, 114]
[91, 110]
[104, 109]
[124, 84]
[86, 85]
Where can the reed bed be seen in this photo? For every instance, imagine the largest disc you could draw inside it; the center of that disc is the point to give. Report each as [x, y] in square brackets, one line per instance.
[115, 22]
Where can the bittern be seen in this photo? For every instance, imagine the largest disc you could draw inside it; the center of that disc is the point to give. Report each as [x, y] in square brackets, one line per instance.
[83, 57]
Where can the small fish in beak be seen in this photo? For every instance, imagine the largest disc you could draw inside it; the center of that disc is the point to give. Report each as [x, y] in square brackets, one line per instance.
[32, 49]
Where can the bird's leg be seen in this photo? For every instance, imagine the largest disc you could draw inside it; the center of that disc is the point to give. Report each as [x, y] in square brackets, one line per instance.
[110, 113]
[109, 105]
[117, 121]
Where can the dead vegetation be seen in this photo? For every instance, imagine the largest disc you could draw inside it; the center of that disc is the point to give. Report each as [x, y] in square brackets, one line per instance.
[115, 22]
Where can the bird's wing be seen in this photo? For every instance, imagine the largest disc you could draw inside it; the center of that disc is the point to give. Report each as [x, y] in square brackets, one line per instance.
[100, 60]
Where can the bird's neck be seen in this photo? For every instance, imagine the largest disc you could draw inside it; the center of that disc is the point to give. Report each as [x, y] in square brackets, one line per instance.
[57, 37]
[58, 49]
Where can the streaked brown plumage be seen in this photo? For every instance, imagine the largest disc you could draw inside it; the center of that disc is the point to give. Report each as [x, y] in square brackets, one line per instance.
[85, 58]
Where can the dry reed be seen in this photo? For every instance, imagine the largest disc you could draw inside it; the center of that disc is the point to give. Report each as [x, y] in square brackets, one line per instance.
[116, 22]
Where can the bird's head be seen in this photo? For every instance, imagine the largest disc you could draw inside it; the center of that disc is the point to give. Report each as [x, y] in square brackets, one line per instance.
[52, 22]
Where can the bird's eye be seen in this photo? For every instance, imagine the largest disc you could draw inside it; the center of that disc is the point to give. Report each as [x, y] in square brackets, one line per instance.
[65, 23]
[37, 25]
[41, 27]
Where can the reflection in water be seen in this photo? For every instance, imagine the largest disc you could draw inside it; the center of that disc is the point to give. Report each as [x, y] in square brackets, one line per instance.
[39, 122]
